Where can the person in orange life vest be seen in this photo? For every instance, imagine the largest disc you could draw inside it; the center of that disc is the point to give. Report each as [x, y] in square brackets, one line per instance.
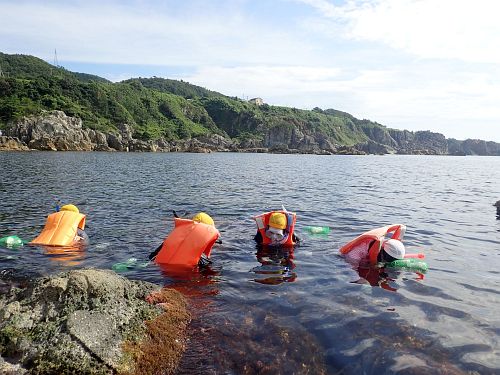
[63, 228]
[372, 247]
[276, 228]
[189, 244]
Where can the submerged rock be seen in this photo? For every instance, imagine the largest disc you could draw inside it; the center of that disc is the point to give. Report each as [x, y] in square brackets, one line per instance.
[87, 321]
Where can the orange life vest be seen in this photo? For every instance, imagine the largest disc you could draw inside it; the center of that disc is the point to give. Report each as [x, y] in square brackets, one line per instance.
[187, 242]
[263, 223]
[60, 229]
[377, 236]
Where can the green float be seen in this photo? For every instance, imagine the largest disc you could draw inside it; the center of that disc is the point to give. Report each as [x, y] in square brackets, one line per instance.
[129, 264]
[411, 264]
[318, 230]
[11, 242]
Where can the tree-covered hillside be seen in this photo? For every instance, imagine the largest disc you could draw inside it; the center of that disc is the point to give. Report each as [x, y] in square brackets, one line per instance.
[163, 108]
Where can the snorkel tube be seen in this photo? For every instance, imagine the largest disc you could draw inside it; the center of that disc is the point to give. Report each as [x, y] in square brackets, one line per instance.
[415, 256]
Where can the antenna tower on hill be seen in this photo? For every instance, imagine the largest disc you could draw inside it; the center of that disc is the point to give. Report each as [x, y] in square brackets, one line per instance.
[56, 62]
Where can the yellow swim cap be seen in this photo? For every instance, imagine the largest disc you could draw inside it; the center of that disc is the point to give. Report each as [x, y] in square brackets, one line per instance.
[202, 217]
[70, 207]
[277, 220]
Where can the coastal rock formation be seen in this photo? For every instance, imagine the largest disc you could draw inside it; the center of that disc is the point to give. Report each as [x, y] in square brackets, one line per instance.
[55, 131]
[287, 138]
[372, 147]
[419, 143]
[473, 147]
[83, 321]
[12, 144]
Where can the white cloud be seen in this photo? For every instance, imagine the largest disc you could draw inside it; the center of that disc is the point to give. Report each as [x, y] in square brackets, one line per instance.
[415, 64]
[266, 81]
[429, 98]
[157, 35]
[444, 29]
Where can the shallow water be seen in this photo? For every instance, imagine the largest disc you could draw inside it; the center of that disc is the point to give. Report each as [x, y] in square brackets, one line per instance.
[307, 311]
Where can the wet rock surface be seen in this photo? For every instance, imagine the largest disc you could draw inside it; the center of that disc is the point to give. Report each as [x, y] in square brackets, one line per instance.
[80, 322]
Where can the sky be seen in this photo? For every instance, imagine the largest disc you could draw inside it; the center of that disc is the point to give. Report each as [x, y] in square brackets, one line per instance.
[406, 64]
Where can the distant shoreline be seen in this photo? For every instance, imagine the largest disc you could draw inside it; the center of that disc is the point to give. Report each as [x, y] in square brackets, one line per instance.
[55, 131]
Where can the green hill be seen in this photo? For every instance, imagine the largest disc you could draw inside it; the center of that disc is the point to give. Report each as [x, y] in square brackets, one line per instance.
[161, 108]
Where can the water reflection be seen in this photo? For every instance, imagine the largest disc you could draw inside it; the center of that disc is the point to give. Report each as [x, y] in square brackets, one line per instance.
[67, 256]
[193, 282]
[276, 265]
[381, 276]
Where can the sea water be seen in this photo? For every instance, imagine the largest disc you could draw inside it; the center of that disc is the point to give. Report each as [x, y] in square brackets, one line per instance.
[300, 311]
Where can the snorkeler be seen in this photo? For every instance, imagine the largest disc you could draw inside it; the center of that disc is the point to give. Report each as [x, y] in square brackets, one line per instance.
[190, 243]
[63, 228]
[276, 228]
[372, 247]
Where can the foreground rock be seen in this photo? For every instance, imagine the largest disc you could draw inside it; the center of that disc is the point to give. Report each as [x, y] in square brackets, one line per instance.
[90, 322]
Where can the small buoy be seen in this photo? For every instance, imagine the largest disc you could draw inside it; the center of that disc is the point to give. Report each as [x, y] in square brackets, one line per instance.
[318, 230]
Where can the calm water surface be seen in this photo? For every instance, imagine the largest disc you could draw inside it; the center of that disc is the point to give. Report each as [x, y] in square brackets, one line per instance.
[307, 311]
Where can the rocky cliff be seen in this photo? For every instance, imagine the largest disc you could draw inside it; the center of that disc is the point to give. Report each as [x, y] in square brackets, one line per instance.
[55, 131]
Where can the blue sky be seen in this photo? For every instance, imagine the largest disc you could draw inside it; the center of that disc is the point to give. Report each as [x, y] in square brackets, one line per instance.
[407, 64]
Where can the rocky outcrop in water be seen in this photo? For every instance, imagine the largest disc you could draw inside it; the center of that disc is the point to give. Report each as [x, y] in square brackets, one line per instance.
[419, 143]
[473, 147]
[87, 322]
[12, 144]
[57, 132]
[54, 131]
[293, 139]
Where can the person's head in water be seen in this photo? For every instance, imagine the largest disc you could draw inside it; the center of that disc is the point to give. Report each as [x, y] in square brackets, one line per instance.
[391, 250]
[204, 218]
[277, 223]
[70, 207]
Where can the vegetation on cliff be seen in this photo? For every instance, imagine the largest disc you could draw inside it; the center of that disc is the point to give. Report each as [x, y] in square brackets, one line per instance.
[157, 108]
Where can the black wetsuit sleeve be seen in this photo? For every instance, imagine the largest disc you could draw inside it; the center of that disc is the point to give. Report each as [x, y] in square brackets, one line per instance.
[258, 238]
[155, 253]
